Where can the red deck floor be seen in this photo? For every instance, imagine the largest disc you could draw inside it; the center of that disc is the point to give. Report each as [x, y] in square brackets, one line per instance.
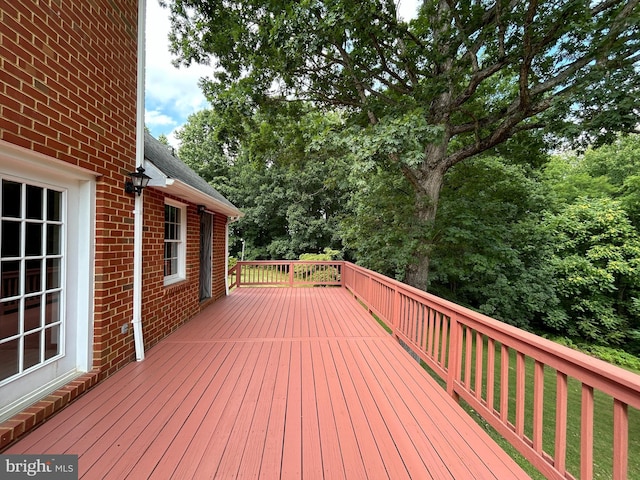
[273, 383]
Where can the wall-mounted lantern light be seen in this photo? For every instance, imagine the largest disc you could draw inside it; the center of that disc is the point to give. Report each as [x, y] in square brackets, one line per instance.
[137, 182]
[201, 209]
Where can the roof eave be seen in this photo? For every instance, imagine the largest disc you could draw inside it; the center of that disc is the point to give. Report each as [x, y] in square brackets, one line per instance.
[193, 195]
[187, 192]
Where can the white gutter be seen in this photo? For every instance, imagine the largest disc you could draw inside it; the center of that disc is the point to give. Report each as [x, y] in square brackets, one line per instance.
[138, 211]
[187, 192]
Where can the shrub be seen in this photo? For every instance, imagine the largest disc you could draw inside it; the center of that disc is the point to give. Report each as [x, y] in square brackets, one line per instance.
[313, 274]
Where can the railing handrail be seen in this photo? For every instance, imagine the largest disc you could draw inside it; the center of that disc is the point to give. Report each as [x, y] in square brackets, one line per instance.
[443, 333]
[592, 373]
[559, 356]
[283, 273]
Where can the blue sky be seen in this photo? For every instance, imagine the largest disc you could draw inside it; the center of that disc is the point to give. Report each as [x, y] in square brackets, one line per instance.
[172, 94]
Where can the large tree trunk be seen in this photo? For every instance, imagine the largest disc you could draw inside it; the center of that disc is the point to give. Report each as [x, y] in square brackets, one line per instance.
[431, 181]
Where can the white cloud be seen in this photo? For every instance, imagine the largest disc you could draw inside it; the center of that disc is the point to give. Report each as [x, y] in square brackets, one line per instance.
[155, 118]
[171, 94]
[407, 9]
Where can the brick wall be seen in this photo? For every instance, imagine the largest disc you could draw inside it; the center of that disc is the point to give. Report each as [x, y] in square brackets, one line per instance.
[166, 308]
[68, 91]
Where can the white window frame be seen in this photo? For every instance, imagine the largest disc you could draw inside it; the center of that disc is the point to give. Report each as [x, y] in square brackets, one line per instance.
[182, 244]
[22, 297]
[79, 186]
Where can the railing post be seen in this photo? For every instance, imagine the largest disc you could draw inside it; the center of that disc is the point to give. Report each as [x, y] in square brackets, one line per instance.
[238, 274]
[291, 269]
[455, 357]
[395, 317]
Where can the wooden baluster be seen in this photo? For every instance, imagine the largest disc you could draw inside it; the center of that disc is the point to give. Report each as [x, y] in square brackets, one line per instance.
[538, 406]
[479, 359]
[586, 434]
[455, 358]
[504, 384]
[520, 400]
[561, 423]
[620, 440]
[491, 364]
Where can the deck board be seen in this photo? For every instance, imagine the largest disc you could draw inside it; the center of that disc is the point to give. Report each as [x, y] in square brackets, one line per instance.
[273, 383]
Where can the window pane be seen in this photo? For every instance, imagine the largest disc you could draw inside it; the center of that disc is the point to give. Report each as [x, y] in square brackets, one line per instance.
[32, 313]
[51, 342]
[170, 257]
[32, 350]
[54, 246]
[9, 355]
[31, 260]
[33, 239]
[11, 199]
[54, 206]
[10, 279]
[33, 282]
[34, 202]
[174, 266]
[10, 239]
[9, 319]
[52, 312]
[53, 273]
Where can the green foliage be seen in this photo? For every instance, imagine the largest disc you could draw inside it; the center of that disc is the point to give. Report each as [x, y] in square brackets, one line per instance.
[597, 268]
[162, 138]
[379, 228]
[610, 171]
[328, 255]
[612, 355]
[324, 274]
[459, 80]
[291, 194]
[489, 251]
[206, 149]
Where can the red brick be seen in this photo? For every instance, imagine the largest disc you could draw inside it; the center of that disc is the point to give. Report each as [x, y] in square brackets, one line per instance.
[84, 55]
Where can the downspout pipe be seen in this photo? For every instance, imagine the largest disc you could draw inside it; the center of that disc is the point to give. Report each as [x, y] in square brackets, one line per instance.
[138, 337]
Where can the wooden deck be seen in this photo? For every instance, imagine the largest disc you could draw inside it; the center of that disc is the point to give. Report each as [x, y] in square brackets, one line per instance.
[273, 383]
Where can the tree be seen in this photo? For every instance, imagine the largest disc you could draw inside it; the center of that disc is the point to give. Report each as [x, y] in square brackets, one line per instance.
[378, 225]
[490, 252]
[460, 79]
[597, 264]
[610, 171]
[291, 195]
[206, 149]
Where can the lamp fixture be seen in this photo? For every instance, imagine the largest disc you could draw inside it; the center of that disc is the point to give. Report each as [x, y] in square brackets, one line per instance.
[202, 209]
[138, 181]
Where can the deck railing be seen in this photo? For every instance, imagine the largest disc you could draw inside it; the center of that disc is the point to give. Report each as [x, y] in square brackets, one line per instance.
[518, 382]
[285, 273]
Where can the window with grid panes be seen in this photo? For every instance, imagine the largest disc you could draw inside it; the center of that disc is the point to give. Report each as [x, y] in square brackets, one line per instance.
[32, 233]
[174, 247]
